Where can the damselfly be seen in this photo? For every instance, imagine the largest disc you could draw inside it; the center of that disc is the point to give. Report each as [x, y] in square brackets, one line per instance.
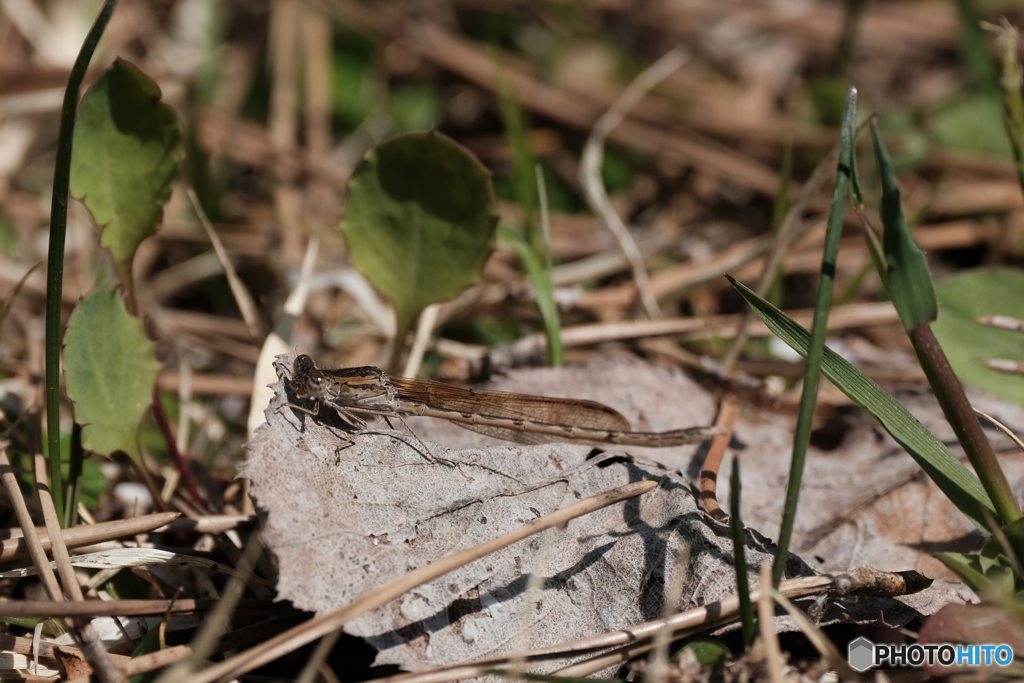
[356, 393]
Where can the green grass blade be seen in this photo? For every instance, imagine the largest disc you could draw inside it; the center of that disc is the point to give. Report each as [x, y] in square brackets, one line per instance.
[958, 484]
[55, 255]
[739, 549]
[812, 371]
[549, 307]
[538, 275]
[913, 295]
[910, 284]
[1013, 103]
[975, 53]
[532, 198]
[522, 161]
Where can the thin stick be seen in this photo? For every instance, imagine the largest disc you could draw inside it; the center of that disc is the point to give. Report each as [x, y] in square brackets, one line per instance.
[324, 624]
[534, 345]
[424, 328]
[16, 546]
[109, 608]
[590, 169]
[765, 612]
[53, 530]
[92, 645]
[28, 527]
[1001, 427]
[243, 298]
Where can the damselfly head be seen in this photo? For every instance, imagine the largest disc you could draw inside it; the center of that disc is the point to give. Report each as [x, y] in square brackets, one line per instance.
[307, 380]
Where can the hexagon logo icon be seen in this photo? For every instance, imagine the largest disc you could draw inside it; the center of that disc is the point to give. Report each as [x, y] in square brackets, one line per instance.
[861, 654]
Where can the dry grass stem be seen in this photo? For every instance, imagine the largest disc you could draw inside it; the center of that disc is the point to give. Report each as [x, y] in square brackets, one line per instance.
[243, 299]
[15, 546]
[53, 530]
[765, 612]
[35, 547]
[590, 170]
[424, 328]
[1001, 427]
[531, 347]
[109, 608]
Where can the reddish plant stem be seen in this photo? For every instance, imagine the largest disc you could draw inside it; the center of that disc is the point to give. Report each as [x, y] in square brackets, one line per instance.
[160, 415]
[965, 423]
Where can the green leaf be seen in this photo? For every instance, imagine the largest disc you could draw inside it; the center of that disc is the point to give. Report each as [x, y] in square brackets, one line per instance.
[966, 296]
[910, 284]
[958, 484]
[420, 221]
[414, 106]
[111, 370]
[708, 651]
[973, 123]
[990, 577]
[127, 148]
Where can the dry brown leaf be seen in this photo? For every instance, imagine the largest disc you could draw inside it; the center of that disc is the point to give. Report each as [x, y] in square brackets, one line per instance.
[347, 512]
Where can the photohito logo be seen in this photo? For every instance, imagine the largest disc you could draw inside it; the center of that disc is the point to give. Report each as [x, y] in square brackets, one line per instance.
[862, 654]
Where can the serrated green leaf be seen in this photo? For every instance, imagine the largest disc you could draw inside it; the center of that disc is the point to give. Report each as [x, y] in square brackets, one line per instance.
[958, 484]
[110, 369]
[420, 221]
[966, 296]
[127, 148]
[910, 283]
